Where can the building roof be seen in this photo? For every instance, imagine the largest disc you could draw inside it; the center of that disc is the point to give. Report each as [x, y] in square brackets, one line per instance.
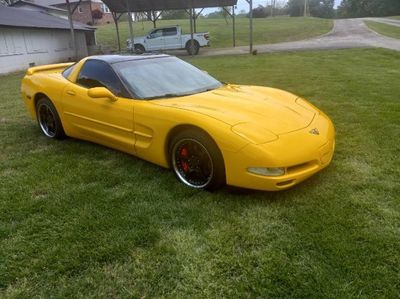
[121, 6]
[22, 3]
[18, 17]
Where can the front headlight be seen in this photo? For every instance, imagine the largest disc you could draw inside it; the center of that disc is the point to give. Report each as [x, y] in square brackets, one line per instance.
[267, 171]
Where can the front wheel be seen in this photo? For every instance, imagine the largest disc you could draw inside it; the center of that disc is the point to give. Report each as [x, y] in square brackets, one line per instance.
[197, 160]
[48, 119]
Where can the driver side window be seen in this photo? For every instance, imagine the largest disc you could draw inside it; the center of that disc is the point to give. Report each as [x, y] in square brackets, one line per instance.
[156, 33]
[96, 73]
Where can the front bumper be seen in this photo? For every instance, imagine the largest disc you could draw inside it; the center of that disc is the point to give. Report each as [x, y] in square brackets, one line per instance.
[301, 153]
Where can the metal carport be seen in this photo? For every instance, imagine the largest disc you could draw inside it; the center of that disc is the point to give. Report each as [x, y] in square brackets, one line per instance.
[119, 7]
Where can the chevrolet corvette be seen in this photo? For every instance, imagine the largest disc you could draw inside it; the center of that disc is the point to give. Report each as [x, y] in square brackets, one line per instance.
[166, 111]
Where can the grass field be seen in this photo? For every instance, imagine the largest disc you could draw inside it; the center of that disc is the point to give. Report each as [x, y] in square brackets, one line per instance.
[83, 221]
[384, 29]
[395, 17]
[269, 30]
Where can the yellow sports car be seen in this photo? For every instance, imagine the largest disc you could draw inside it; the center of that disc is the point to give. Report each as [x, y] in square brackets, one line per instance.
[166, 111]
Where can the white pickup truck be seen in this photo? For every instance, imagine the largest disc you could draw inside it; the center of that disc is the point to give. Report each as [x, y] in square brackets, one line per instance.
[169, 38]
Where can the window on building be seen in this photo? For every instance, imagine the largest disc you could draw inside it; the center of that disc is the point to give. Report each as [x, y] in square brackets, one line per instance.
[80, 9]
[104, 8]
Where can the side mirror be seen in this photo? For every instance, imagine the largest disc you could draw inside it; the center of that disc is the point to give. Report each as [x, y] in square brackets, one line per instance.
[101, 92]
[148, 37]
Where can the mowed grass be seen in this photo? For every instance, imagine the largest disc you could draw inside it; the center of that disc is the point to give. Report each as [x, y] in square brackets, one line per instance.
[384, 29]
[267, 30]
[395, 17]
[83, 221]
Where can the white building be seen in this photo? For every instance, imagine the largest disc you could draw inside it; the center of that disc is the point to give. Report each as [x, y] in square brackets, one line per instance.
[29, 37]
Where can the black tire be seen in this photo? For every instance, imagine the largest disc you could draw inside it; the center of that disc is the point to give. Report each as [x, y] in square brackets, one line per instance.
[196, 160]
[48, 119]
[139, 49]
[192, 50]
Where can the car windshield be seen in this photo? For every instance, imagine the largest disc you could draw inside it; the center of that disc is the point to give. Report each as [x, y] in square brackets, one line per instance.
[164, 77]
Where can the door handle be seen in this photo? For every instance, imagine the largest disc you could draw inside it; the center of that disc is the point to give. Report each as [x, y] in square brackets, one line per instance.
[71, 92]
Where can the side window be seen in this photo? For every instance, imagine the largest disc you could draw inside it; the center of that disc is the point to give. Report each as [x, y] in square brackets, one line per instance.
[156, 33]
[95, 73]
[68, 71]
[170, 31]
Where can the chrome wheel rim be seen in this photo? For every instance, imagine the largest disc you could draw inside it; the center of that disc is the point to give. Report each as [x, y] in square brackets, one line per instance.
[47, 120]
[192, 163]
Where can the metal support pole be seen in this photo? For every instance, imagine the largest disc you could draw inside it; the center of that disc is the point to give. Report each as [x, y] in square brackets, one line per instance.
[71, 26]
[130, 27]
[305, 8]
[251, 24]
[194, 20]
[191, 28]
[234, 26]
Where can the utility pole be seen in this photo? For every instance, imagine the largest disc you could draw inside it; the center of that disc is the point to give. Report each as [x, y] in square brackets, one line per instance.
[272, 7]
[305, 7]
[71, 26]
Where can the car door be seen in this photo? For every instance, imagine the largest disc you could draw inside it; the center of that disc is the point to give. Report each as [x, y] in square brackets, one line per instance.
[102, 120]
[172, 39]
[155, 40]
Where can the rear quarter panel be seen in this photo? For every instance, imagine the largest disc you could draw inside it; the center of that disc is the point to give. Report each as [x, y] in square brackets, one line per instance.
[49, 83]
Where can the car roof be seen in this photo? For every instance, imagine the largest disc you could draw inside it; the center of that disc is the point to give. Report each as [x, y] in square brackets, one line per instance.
[121, 58]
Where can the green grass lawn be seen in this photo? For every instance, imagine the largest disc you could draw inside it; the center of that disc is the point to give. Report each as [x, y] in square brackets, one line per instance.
[269, 30]
[395, 17]
[384, 29]
[83, 221]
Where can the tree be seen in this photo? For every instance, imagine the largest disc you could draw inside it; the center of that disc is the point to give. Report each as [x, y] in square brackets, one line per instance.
[260, 12]
[226, 12]
[317, 8]
[322, 8]
[7, 2]
[97, 14]
[368, 8]
[174, 15]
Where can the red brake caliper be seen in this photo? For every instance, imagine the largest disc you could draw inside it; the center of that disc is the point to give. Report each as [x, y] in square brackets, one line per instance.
[184, 154]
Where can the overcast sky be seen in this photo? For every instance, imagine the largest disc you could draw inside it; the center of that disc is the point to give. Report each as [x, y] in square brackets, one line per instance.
[242, 4]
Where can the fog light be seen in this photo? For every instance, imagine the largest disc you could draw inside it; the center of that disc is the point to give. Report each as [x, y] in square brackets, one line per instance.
[267, 171]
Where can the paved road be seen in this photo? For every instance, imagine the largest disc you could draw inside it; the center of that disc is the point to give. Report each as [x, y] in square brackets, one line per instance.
[385, 21]
[348, 33]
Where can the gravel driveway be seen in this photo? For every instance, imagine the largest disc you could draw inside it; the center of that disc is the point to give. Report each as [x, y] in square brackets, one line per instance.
[348, 33]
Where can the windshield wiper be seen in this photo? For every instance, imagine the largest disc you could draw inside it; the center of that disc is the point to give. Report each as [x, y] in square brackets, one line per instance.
[167, 95]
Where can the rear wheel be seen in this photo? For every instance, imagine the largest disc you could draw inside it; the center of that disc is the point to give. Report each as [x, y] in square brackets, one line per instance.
[48, 119]
[192, 49]
[139, 49]
[197, 160]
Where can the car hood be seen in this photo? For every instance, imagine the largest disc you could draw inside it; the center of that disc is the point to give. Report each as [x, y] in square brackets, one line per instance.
[249, 109]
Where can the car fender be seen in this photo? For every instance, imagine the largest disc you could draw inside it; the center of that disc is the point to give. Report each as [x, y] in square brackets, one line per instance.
[154, 124]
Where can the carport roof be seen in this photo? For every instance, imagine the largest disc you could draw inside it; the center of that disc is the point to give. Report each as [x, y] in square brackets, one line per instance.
[121, 6]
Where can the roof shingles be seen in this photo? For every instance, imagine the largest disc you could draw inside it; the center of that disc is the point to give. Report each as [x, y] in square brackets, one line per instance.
[17, 17]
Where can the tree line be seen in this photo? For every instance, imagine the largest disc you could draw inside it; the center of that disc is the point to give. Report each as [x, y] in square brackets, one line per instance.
[314, 8]
[346, 9]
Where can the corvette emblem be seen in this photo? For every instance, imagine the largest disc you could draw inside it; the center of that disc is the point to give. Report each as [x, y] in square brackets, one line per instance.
[314, 131]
